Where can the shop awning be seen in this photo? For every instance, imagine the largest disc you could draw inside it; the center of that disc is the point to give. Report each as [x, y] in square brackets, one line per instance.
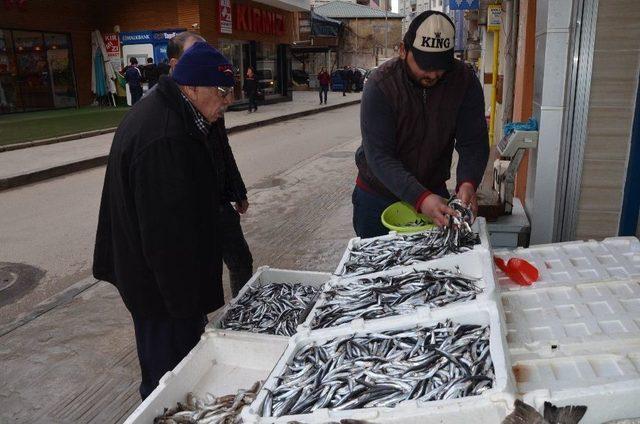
[290, 5]
[322, 26]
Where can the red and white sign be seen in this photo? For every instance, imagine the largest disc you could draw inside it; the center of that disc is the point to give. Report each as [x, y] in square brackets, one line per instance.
[226, 17]
[112, 44]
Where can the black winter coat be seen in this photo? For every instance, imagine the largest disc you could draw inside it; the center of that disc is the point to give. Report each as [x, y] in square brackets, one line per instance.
[250, 86]
[157, 239]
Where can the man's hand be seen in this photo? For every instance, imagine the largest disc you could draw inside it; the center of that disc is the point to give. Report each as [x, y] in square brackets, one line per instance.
[467, 194]
[435, 207]
[242, 206]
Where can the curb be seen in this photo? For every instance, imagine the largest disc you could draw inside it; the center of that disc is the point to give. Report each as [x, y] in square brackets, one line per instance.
[84, 164]
[53, 140]
[65, 296]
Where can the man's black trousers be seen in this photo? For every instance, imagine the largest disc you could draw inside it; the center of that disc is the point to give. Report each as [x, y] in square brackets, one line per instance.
[162, 343]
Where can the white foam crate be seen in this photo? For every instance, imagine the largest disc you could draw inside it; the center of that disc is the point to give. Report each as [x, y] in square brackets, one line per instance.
[607, 380]
[265, 275]
[580, 261]
[491, 406]
[476, 264]
[219, 364]
[606, 312]
[479, 226]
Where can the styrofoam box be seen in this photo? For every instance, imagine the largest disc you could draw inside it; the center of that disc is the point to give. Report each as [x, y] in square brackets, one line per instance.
[479, 226]
[491, 406]
[219, 364]
[541, 319]
[474, 264]
[580, 261]
[265, 275]
[607, 381]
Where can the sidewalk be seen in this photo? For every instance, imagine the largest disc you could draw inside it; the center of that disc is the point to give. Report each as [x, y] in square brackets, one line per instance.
[24, 166]
[76, 360]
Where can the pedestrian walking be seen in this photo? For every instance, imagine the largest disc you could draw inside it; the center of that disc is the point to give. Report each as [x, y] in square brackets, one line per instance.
[133, 76]
[324, 79]
[159, 238]
[345, 77]
[151, 73]
[416, 109]
[250, 87]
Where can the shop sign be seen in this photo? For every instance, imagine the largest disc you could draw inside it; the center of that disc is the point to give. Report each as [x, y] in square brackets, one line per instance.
[252, 19]
[163, 36]
[494, 17]
[20, 4]
[112, 44]
[226, 17]
[141, 37]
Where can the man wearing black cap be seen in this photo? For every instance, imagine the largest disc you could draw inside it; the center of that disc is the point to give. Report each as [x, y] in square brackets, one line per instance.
[415, 109]
[158, 237]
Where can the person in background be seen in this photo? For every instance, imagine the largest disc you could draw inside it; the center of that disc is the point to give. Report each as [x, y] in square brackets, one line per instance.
[151, 73]
[163, 68]
[324, 79]
[159, 238]
[133, 76]
[344, 75]
[250, 88]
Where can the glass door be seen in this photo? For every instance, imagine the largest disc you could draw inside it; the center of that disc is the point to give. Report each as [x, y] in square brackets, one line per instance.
[9, 96]
[33, 70]
[232, 50]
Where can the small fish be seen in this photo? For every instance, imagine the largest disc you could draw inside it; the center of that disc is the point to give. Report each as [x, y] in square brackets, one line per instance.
[373, 255]
[273, 308]
[444, 361]
[372, 298]
[211, 410]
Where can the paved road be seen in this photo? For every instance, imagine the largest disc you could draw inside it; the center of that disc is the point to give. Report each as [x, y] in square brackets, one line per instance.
[50, 226]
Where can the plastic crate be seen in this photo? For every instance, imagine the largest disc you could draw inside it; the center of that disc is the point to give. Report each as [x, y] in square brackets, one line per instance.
[607, 380]
[266, 275]
[543, 319]
[475, 264]
[219, 364]
[491, 406]
[580, 261]
[479, 226]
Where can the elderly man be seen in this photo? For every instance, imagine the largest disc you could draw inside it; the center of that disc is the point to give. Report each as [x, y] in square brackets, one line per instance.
[158, 237]
[415, 109]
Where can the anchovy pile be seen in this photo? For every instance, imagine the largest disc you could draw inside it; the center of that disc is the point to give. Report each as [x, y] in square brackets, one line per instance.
[371, 298]
[222, 410]
[444, 361]
[374, 255]
[273, 308]
[417, 223]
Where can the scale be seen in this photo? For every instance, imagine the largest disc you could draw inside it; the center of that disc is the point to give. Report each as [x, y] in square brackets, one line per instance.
[511, 149]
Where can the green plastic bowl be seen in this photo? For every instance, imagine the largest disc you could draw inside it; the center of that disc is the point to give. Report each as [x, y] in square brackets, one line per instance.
[399, 215]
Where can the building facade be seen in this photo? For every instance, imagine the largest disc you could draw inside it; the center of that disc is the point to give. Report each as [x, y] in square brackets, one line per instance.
[45, 45]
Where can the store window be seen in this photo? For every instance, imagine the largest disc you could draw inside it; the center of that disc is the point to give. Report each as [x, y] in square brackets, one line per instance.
[36, 71]
[267, 68]
[235, 52]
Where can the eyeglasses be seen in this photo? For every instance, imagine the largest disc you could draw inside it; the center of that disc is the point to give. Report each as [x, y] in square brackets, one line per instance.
[225, 91]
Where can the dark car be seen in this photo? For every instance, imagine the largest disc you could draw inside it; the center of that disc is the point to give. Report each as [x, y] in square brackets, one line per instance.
[300, 77]
[337, 83]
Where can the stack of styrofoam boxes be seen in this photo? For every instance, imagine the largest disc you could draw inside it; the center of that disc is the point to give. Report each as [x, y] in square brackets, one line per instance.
[491, 406]
[224, 361]
[574, 335]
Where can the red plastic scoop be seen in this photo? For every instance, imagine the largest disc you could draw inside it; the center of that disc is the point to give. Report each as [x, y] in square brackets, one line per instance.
[518, 270]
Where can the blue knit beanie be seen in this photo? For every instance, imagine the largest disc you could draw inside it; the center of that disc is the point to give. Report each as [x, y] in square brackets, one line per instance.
[203, 66]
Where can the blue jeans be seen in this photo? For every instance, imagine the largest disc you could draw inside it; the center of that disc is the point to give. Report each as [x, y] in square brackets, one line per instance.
[367, 212]
[323, 89]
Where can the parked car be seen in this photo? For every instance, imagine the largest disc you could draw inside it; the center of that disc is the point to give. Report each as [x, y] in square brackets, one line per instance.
[266, 83]
[367, 74]
[337, 83]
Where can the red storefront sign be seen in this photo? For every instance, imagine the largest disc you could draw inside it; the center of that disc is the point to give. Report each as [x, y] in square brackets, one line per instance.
[112, 44]
[252, 19]
[225, 16]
